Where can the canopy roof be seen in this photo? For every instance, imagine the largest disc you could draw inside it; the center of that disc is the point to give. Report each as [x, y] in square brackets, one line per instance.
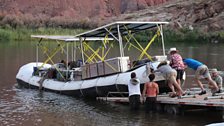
[68, 38]
[124, 27]
[109, 30]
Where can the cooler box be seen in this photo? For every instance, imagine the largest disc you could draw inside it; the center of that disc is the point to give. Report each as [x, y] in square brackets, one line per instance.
[100, 68]
[77, 75]
[159, 58]
[110, 66]
[85, 71]
[93, 70]
[116, 65]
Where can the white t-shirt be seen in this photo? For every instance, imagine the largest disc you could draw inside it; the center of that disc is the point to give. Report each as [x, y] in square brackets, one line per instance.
[134, 89]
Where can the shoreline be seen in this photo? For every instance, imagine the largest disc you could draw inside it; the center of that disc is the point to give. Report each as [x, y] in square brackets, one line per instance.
[172, 35]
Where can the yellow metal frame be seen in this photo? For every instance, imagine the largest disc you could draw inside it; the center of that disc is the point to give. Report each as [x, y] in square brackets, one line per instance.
[49, 57]
[150, 42]
[139, 46]
[95, 54]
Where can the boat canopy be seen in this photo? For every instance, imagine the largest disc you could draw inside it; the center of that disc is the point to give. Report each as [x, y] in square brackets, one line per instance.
[67, 38]
[124, 28]
[121, 32]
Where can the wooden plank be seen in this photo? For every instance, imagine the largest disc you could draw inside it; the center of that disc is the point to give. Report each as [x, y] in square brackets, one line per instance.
[198, 100]
[195, 100]
[187, 96]
[213, 97]
[114, 99]
[218, 94]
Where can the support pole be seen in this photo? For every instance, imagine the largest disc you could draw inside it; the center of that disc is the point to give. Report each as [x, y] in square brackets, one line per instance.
[37, 51]
[161, 32]
[83, 60]
[67, 51]
[73, 51]
[120, 41]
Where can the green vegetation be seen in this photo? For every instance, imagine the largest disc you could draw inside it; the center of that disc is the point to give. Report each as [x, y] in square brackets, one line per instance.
[8, 34]
[183, 36]
[193, 36]
[13, 27]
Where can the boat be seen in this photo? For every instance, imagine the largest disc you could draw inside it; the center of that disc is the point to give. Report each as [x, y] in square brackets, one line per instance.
[94, 74]
[216, 124]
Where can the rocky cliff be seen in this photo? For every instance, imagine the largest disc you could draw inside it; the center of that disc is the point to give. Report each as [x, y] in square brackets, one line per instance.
[206, 15]
[97, 10]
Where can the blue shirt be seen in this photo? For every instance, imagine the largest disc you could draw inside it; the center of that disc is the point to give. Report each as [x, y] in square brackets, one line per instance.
[194, 64]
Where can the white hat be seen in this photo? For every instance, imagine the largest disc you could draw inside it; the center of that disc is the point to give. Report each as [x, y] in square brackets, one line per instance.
[172, 49]
[214, 70]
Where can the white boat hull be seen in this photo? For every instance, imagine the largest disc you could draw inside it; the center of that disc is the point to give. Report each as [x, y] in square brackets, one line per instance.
[99, 86]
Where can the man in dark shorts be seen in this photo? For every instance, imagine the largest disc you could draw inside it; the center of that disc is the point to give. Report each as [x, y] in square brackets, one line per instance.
[151, 90]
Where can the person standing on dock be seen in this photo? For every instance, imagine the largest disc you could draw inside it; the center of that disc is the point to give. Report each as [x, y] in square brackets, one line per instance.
[176, 62]
[150, 91]
[170, 75]
[201, 70]
[134, 92]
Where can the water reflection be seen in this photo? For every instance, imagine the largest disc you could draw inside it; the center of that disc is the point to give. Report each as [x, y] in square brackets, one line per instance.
[23, 107]
[31, 107]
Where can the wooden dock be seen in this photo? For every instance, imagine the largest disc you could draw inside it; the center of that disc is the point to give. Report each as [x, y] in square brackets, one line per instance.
[192, 98]
[172, 105]
[196, 100]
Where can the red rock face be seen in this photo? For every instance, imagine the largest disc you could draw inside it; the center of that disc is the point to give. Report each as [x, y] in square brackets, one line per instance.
[75, 9]
[203, 14]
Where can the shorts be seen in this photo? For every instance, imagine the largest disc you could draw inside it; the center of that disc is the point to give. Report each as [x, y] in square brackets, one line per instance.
[134, 102]
[180, 74]
[150, 104]
[202, 71]
[170, 76]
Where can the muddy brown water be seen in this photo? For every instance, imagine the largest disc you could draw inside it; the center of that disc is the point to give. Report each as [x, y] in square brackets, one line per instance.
[26, 107]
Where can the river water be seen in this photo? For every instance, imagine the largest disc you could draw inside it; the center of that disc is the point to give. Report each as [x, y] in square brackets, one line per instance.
[26, 107]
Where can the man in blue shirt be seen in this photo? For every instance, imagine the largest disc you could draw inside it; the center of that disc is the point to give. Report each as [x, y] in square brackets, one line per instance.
[200, 70]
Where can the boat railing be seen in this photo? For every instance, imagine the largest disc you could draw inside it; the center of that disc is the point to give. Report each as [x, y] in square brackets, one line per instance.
[120, 97]
[117, 94]
[59, 74]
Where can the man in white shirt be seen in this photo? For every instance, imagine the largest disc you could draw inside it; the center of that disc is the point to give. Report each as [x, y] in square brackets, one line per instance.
[134, 92]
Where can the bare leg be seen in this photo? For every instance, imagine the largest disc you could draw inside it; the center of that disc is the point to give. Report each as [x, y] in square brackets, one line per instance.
[174, 82]
[179, 82]
[199, 84]
[214, 85]
[171, 87]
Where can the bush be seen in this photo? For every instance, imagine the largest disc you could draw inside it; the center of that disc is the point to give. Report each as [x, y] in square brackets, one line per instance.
[25, 33]
[5, 35]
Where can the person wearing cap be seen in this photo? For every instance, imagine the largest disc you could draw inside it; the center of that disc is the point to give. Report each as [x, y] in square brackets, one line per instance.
[216, 77]
[176, 62]
[201, 70]
[134, 92]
